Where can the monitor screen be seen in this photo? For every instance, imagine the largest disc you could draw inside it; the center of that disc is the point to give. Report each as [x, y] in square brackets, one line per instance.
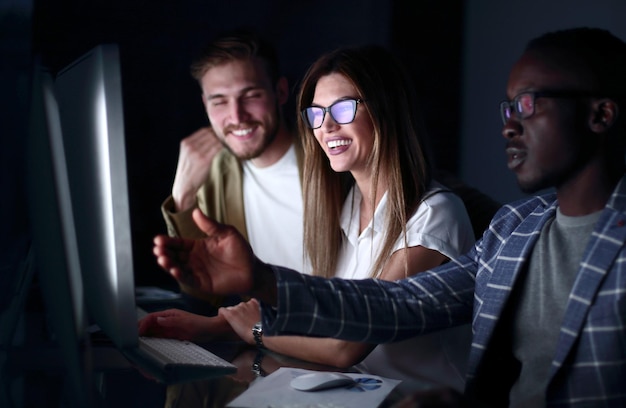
[54, 243]
[89, 94]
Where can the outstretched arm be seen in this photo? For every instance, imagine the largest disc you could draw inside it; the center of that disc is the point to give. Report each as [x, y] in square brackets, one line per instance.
[328, 351]
[373, 311]
[222, 263]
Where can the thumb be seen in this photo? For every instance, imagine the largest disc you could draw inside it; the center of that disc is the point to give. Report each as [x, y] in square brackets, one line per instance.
[207, 225]
[223, 311]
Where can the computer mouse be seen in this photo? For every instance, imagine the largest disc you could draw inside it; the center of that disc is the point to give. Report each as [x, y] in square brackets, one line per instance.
[322, 380]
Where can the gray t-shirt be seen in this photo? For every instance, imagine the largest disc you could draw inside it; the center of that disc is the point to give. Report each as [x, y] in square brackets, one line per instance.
[552, 270]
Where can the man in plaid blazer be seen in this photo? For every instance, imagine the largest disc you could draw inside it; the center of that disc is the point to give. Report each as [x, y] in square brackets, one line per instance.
[544, 288]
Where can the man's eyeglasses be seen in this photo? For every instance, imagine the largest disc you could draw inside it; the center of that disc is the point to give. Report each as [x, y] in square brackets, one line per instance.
[523, 105]
[342, 112]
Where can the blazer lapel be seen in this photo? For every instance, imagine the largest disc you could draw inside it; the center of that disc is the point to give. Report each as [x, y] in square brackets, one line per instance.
[605, 243]
[508, 265]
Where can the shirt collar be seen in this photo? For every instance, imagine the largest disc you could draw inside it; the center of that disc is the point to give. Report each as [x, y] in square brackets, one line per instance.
[351, 213]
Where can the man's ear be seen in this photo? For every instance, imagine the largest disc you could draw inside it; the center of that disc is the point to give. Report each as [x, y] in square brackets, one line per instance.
[282, 90]
[604, 114]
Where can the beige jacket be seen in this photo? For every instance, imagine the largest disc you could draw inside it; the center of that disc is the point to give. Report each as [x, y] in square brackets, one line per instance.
[220, 198]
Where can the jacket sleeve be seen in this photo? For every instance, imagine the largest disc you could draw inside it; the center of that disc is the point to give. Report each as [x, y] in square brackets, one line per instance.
[373, 310]
[179, 224]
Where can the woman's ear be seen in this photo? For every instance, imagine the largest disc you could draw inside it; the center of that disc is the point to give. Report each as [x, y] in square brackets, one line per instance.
[604, 114]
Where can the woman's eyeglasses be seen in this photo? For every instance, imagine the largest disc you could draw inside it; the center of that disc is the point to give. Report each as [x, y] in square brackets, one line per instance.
[342, 112]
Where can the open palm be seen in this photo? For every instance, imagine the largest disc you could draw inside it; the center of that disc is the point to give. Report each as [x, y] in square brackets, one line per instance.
[221, 263]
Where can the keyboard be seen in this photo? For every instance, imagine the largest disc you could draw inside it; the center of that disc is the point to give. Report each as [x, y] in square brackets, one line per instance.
[168, 352]
[172, 361]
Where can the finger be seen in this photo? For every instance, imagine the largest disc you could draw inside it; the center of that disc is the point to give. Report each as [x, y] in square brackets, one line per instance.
[202, 142]
[165, 263]
[166, 241]
[143, 327]
[194, 140]
[254, 302]
[225, 312]
[159, 251]
[174, 251]
[208, 226]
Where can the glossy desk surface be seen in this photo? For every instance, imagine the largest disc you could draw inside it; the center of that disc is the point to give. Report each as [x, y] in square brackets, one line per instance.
[218, 392]
[118, 384]
[34, 376]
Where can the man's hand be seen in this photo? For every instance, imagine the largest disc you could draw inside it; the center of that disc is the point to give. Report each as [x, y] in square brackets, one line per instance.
[221, 264]
[194, 163]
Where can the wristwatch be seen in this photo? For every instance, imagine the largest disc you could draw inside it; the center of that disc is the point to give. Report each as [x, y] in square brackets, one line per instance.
[257, 332]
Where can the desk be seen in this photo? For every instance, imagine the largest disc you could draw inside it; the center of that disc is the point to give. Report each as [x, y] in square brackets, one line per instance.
[120, 385]
[216, 393]
[221, 391]
[36, 377]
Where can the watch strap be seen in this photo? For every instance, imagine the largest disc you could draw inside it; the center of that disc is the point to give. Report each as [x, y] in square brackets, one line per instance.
[257, 369]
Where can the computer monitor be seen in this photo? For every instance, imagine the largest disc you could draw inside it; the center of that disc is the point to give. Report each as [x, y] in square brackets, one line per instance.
[89, 93]
[54, 245]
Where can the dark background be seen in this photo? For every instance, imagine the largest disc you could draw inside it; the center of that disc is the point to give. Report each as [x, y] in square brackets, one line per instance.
[158, 39]
[459, 53]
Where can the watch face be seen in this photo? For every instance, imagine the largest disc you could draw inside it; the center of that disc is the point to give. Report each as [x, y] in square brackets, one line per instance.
[257, 332]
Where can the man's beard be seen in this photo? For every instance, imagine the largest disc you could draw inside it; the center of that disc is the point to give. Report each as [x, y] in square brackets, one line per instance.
[270, 136]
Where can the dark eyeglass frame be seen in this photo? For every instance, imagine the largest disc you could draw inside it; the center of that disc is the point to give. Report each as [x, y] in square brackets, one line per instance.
[511, 106]
[355, 102]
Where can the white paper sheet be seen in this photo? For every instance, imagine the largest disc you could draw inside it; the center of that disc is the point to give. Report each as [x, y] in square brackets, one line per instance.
[274, 391]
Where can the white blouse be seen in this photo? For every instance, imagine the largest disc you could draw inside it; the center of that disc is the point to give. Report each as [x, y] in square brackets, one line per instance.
[441, 223]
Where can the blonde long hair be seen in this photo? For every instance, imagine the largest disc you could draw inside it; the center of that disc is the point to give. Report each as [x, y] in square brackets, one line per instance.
[399, 153]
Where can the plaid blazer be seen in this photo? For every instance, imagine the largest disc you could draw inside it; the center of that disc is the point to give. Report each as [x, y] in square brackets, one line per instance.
[589, 364]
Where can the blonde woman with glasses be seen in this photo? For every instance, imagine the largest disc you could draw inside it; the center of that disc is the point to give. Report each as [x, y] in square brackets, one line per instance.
[371, 209]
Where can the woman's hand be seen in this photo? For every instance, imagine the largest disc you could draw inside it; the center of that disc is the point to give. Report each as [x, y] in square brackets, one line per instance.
[242, 318]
